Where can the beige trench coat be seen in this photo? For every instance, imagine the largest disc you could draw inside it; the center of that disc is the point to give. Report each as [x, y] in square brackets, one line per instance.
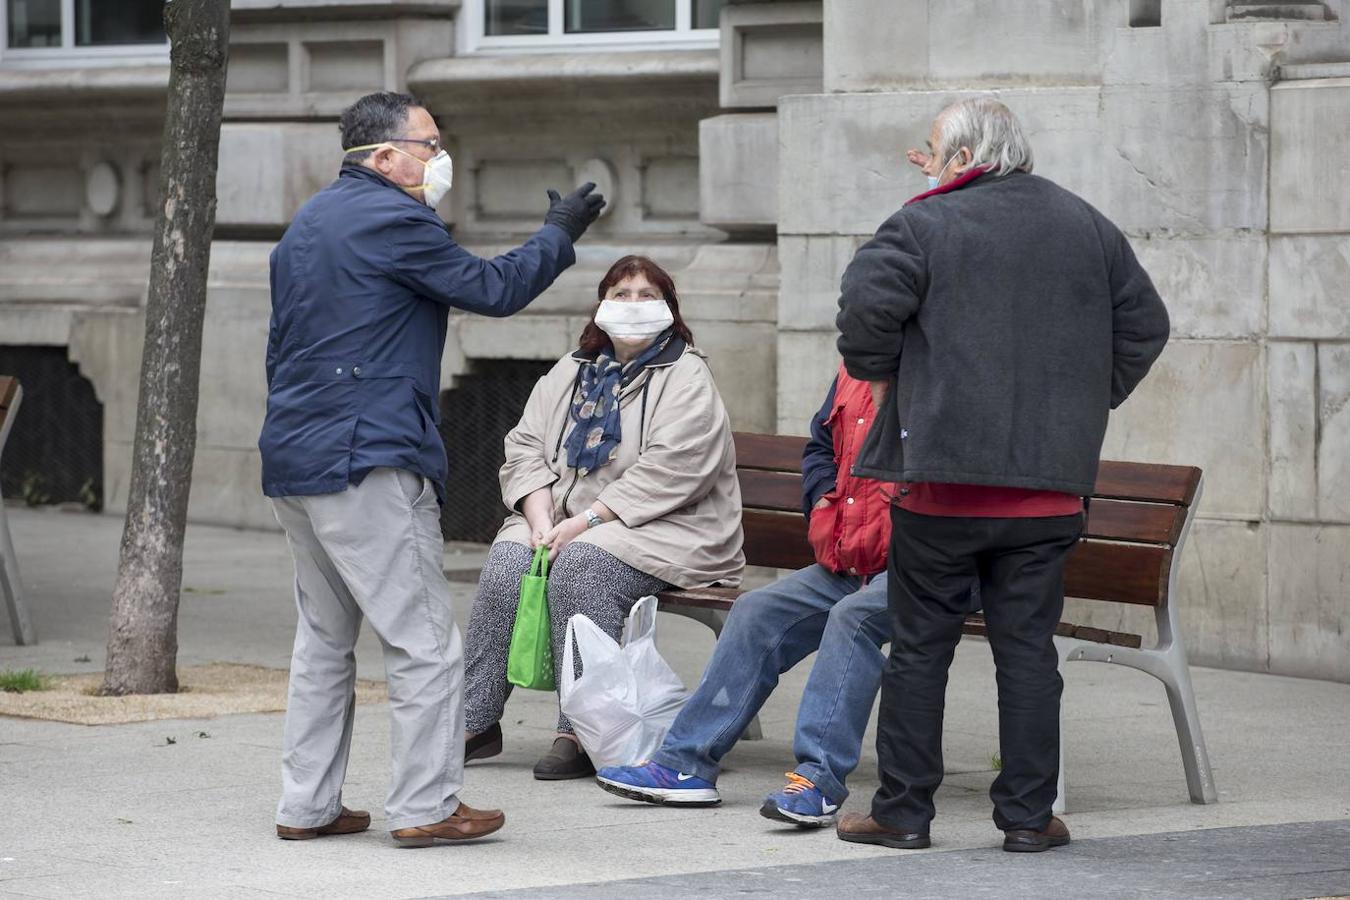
[673, 486]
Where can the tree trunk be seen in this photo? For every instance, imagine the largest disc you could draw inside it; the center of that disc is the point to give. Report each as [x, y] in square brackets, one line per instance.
[143, 636]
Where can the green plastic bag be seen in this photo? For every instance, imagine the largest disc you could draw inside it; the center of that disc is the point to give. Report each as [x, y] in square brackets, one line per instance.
[529, 663]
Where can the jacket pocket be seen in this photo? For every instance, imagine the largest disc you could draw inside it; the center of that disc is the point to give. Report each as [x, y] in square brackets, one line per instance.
[821, 532]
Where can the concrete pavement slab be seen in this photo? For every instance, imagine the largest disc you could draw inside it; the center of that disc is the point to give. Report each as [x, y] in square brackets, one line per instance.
[117, 811]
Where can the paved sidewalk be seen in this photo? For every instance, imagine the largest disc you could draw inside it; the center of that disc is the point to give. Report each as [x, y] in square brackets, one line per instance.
[116, 811]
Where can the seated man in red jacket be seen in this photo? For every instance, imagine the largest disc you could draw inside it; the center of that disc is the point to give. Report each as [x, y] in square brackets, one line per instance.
[837, 607]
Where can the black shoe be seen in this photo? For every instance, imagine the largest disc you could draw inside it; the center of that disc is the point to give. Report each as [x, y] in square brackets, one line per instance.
[485, 745]
[1024, 840]
[565, 760]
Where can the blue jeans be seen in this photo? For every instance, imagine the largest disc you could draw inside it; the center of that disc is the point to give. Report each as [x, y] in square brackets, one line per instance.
[769, 631]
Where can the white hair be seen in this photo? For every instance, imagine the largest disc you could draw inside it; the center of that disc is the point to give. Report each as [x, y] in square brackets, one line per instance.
[989, 129]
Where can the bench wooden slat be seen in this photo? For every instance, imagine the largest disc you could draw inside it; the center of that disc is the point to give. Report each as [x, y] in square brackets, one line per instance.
[1148, 482]
[781, 491]
[724, 598]
[776, 539]
[1121, 573]
[1144, 523]
[775, 452]
[9, 386]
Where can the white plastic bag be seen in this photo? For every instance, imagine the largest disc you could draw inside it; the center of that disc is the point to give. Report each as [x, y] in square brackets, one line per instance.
[627, 695]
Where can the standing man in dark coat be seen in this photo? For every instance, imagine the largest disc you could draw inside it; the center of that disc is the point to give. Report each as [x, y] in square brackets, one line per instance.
[1001, 318]
[362, 285]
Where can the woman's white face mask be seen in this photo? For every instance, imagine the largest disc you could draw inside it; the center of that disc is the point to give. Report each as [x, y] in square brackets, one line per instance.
[634, 319]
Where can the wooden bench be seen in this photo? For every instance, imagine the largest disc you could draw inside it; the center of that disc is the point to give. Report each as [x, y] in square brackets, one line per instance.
[1138, 520]
[10, 585]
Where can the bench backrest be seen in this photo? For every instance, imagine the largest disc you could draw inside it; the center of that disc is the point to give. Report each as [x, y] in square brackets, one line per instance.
[1137, 516]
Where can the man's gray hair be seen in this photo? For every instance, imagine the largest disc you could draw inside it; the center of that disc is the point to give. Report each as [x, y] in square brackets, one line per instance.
[374, 119]
[989, 129]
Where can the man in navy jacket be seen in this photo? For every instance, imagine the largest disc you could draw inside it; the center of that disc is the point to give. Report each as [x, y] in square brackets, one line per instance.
[362, 285]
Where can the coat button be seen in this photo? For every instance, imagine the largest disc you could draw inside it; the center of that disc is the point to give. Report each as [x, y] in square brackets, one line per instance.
[339, 371]
[853, 570]
[849, 501]
[356, 370]
[860, 421]
[904, 492]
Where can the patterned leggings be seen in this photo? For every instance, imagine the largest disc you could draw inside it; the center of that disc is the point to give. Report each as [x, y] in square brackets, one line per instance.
[583, 579]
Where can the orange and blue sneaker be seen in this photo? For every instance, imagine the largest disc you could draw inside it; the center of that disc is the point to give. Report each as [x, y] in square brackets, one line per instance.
[654, 783]
[801, 803]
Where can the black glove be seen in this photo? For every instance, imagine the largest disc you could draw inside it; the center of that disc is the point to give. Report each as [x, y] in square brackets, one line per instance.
[575, 212]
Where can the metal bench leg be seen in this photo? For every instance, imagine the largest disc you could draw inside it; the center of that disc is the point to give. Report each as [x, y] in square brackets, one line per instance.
[12, 587]
[1175, 675]
[715, 619]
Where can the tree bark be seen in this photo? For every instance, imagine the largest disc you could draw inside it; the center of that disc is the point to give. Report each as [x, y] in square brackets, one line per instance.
[143, 635]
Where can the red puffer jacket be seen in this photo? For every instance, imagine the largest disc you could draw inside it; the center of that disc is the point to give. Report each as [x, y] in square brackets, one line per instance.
[853, 533]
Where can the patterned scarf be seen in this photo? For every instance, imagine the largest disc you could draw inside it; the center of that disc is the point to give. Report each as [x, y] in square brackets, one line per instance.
[594, 440]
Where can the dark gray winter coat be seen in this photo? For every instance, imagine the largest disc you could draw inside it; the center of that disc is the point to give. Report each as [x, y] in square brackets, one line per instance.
[1024, 318]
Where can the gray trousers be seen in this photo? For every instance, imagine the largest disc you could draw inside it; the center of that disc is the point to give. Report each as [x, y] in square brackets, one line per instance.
[372, 551]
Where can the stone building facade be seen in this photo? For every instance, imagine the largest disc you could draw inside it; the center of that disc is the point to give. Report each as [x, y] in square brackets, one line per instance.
[751, 159]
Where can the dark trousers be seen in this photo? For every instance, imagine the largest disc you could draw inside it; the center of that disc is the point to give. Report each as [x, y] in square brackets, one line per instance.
[1020, 567]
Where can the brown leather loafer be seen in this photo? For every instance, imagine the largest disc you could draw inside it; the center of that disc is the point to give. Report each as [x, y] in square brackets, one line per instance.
[464, 824]
[564, 760]
[859, 828]
[1024, 840]
[349, 821]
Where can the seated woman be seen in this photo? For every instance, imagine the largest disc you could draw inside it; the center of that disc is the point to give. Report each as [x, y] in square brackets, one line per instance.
[623, 464]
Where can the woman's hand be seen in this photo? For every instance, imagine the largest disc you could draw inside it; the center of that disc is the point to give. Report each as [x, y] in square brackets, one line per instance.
[538, 512]
[919, 158]
[562, 534]
[822, 503]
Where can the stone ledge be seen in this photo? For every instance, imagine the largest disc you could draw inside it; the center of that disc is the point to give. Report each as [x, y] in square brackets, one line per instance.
[249, 11]
[586, 81]
[80, 83]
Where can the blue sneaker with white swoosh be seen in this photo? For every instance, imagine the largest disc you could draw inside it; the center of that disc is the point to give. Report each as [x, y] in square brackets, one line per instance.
[653, 783]
[801, 803]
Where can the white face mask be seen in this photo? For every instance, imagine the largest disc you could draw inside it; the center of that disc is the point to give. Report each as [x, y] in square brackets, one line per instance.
[633, 318]
[439, 173]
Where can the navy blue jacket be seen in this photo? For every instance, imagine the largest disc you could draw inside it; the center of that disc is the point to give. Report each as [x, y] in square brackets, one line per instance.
[362, 284]
[819, 471]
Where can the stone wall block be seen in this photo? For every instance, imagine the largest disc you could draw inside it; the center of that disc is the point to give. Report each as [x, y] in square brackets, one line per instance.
[738, 172]
[267, 171]
[807, 363]
[768, 50]
[1291, 384]
[1309, 165]
[1212, 285]
[1310, 286]
[743, 360]
[1310, 600]
[812, 267]
[1182, 159]
[875, 45]
[1202, 405]
[1054, 43]
[1333, 432]
[233, 395]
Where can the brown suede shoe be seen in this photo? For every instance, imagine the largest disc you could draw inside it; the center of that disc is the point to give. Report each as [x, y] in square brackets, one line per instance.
[465, 824]
[1024, 840]
[858, 828]
[349, 821]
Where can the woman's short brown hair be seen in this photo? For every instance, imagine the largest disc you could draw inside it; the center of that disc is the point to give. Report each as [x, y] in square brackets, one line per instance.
[593, 339]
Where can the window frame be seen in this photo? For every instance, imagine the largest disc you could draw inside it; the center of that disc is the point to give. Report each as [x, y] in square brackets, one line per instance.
[69, 53]
[474, 39]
